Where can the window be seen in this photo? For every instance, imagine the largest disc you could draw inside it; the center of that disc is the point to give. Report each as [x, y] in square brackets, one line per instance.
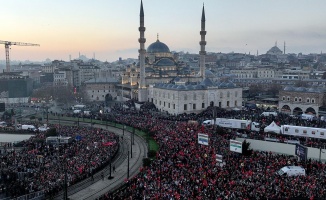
[220, 104]
[173, 96]
[321, 133]
[295, 99]
[308, 100]
[194, 106]
[288, 98]
[92, 96]
[221, 95]
[173, 106]
[312, 100]
[203, 97]
[185, 97]
[164, 104]
[168, 95]
[203, 105]
[102, 95]
[185, 107]
[163, 94]
[235, 103]
[169, 105]
[300, 99]
[160, 102]
[296, 130]
[236, 94]
[195, 97]
[228, 94]
[227, 103]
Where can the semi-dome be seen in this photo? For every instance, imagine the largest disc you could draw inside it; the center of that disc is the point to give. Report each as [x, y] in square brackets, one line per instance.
[181, 87]
[288, 88]
[158, 47]
[190, 87]
[207, 82]
[165, 62]
[300, 89]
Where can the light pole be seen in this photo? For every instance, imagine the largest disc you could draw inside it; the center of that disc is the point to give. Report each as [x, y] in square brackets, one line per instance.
[128, 167]
[110, 176]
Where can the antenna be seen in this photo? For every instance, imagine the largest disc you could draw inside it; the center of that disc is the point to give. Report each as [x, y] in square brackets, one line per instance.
[284, 47]
[157, 37]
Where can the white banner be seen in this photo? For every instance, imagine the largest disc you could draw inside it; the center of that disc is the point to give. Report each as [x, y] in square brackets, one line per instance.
[203, 139]
[236, 146]
[219, 158]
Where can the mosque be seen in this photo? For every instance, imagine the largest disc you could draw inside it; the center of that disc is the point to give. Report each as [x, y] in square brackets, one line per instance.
[159, 78]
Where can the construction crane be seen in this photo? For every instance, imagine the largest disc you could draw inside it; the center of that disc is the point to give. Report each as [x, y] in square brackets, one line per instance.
[7, 46]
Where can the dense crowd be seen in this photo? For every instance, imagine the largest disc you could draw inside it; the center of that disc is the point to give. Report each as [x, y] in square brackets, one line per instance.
[183, 169]
[41, 166]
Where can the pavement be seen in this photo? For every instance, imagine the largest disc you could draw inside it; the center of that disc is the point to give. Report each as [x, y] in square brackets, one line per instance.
[89, 189]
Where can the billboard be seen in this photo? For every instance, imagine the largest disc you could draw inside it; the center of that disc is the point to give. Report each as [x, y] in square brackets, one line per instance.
[236, 146]
[203, 139]
[301, 151]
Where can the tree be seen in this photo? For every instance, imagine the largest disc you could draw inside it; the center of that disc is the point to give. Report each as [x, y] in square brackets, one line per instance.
[246, 151]
[301, 83]
[324, 76]
[274, 89]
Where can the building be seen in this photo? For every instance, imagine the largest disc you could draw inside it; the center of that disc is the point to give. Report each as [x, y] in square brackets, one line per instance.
[101, 89]
[299, 100]
[178, 97]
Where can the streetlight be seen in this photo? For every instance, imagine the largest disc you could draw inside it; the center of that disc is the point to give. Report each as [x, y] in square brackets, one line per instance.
[110, 176]
[128, 167]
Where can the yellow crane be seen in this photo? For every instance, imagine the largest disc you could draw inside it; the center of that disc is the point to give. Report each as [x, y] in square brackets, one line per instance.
[7, 46]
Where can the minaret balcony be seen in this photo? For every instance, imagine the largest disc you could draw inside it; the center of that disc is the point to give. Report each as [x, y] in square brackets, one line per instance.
[141, 40]
[203, 32]
[142, 29]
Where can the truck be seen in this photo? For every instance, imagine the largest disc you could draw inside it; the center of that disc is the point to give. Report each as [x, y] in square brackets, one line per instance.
[234, 123]
[292, 171]
[302, 131]
[269, 113]
[28, 127]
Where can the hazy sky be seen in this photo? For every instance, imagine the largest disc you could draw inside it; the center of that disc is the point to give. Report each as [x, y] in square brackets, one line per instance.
[109, 28]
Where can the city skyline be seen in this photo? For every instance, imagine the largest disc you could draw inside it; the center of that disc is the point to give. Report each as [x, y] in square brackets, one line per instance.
[110, 29]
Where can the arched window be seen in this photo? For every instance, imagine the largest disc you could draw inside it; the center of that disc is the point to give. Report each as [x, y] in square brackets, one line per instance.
[308, 100]
[288, 98]
[295, 99]
[283, 98]
[312, 100]
[300, 99]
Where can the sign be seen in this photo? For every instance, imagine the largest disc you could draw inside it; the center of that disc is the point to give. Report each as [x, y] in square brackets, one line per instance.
[203, 139]
[236, 146]
[301, 151]
[219, 158]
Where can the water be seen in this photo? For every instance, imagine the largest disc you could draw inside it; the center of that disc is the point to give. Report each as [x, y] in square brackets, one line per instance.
[5, 137]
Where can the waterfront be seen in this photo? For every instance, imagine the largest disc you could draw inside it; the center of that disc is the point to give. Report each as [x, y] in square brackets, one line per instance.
[5, 137]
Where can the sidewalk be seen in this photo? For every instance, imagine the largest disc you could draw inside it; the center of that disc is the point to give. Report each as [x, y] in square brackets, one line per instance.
[100, 187]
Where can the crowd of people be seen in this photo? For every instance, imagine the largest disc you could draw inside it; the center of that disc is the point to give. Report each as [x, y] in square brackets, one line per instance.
[40, 166]
[184, 169]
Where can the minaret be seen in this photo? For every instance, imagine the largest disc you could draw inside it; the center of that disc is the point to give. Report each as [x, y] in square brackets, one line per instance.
[284, 47]
[202, 43]
[142, 92]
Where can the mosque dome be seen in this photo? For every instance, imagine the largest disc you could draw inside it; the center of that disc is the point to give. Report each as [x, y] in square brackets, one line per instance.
[158, 47]
[165, 62]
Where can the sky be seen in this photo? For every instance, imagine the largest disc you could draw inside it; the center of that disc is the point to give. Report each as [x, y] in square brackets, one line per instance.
[108, 29]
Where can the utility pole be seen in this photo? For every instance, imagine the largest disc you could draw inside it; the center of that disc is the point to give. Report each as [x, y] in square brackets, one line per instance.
[110, 176]
[128, 167]
[130, 145]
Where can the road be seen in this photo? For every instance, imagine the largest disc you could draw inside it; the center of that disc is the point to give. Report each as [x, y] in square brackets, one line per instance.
[89, 189]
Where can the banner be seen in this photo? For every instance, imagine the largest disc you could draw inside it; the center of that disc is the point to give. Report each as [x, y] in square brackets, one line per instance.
[203, 139]
[236, 146]
[301, 151]
[219, 158]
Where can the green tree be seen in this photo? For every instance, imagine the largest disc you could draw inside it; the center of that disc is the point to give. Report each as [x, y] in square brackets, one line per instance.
[246, 151]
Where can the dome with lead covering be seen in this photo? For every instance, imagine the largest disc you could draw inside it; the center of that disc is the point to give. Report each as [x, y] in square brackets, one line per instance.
[158, 47]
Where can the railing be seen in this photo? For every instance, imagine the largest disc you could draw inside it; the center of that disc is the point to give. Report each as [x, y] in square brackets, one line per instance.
[32, 196]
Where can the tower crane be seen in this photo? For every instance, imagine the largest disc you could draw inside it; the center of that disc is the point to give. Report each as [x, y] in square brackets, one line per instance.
[8, 44]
